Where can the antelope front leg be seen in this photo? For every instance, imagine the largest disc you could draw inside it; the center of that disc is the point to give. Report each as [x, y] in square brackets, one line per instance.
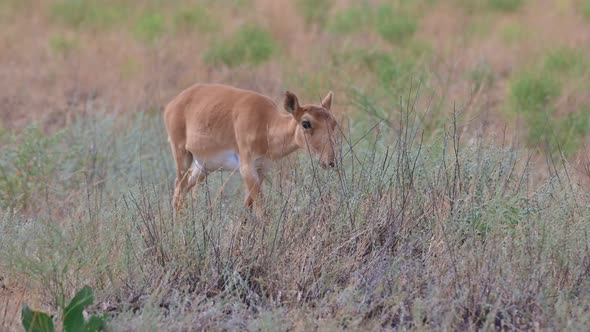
[253, 186]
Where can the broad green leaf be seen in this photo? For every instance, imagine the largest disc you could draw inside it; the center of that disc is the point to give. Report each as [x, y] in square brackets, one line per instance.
[94, 324]
[73, 317]
[35, 321]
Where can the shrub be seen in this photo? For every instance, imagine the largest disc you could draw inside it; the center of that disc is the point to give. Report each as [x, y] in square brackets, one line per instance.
[72, 318]
[150, 27]
[351, 19]
[505, 5]
[393, 25]
[531, 92]
[314, 11]
[197, 17]
[62, 44]
[88, 13]
[250, 45]
[585, 9]
[565, 61]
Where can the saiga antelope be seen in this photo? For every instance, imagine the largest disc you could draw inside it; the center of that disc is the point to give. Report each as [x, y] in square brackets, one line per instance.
[215, 127]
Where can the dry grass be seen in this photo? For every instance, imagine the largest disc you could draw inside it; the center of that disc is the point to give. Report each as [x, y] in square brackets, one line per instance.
[440, 218]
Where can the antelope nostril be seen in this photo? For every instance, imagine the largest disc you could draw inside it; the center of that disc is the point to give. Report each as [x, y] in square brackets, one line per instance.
[331, 164]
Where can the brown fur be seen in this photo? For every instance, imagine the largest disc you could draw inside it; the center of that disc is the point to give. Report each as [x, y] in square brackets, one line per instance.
[207, 120]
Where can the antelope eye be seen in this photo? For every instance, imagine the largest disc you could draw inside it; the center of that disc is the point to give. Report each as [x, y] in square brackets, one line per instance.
[306, 124]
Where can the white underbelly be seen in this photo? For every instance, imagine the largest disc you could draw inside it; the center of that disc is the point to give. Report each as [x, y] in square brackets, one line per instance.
[228, 161]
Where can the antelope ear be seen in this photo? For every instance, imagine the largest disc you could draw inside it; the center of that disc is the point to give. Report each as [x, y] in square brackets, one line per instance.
[291, 102]
[327, 102]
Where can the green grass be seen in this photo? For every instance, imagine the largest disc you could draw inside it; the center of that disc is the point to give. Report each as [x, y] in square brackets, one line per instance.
[394, 24]
[251, 44]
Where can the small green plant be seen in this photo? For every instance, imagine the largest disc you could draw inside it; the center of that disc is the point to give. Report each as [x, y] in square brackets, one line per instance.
[314, 11]
[62, 45]
[197, 17]
[26, 166]
[482, 75]
[514, 33]
[351, 19]
[72, 316]
[565, 61]
[150, 27]
[395, 25]
[585, 9]
[88, 13]
[505, 5]
[251, 44]
[532, 92]
[390, 70]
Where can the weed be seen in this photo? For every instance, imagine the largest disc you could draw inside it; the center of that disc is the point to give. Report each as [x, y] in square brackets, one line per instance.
[88, 13]
[197, 17]
[62, 44]
[150, 27]
[72, 316]
[514, 33]
[314, 12]
[585, 9]
[395, 25]
[533, 92]
[565, 61]
[505, 5]
[351, 19]
[482, 75]
[250, 45]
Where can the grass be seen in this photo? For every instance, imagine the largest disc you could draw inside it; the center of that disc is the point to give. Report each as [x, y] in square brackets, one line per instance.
[506, 5]
[88, 13]
[314, 12]
[251, 44]
[197, 18]
[395, 25]
[585, 9]
[406, 234]
[150, 26]
[351, 19]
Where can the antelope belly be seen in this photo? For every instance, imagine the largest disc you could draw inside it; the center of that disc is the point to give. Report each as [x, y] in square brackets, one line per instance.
[225, 161]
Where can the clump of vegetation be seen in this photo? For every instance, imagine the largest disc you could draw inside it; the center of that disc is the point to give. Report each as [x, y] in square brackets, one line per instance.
[482, 75]
[394, 24]
[250, 45]
[88, 13]
[72, 318]
[505, 5]
[150, 27]
[533, 95]
[26, 167]
[351, 19]
[315, 12]
[565, 61]
[196, 18]
[585, 9]
[404, 234]
[62, 44]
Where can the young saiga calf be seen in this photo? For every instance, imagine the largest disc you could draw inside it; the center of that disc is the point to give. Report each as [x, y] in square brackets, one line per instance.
[215, 127]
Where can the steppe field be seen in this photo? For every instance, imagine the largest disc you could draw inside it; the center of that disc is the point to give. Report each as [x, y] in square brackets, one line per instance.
[461, 201]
